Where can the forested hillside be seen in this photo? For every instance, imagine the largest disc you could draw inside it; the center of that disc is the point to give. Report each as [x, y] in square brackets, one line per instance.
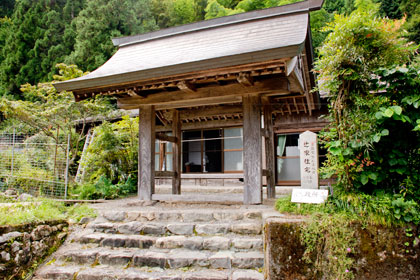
[35, 35]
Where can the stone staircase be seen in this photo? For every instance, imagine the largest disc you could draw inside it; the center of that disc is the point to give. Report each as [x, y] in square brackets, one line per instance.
[164, 241]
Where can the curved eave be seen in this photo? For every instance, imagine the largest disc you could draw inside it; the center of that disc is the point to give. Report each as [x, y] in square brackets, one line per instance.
[76, 85]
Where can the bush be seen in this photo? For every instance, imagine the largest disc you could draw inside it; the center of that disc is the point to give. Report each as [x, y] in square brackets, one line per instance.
[373, 87]
[105, 189]
[113, 153]
[329, 227]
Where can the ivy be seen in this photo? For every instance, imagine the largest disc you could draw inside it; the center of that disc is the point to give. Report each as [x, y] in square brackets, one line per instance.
[372, 138]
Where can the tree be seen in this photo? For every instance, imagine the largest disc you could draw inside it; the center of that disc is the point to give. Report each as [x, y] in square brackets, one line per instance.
[6, 8]
[215, 9]
[5, 24]
[411, 8]
[357, 47]
[53, 113]
[34, 43]
[390, 8]
[102, 20]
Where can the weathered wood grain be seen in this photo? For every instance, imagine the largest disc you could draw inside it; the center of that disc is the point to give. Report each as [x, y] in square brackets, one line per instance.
[269, 148]
[146, 152]
[176, 153]
[207, 95]
[252, 145]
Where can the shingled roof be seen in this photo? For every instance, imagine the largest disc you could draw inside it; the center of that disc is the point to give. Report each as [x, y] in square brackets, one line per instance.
[256, 36]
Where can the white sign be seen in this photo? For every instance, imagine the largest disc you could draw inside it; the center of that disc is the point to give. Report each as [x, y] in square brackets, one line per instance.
[309, 195]
[308, 160]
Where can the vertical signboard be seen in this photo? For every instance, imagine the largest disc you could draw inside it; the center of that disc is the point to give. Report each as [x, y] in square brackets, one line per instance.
[309, 160]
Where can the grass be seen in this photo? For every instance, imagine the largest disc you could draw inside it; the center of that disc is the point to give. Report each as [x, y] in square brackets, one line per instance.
[39, 210]
[284, 205]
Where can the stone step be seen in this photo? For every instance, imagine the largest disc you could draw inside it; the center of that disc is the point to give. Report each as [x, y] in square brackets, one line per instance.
[183, 215]
[163, 258]
[212, 243]
[102, 272]
[216, 189]
[250, 227]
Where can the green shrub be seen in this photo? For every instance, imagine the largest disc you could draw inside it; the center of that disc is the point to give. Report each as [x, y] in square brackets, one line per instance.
[105, 189]
[113, 152]
[373, 88]
[328, 233]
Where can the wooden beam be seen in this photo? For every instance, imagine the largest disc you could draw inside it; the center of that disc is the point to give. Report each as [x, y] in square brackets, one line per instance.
[164, 174]
[206, 95]
[295, 75]
[204, 125]
[162, 156]
[146, 152]
[269, 148]
[176, 153]
[245, 79]
[278, 65]
[161, 117]
[252, 146]
[164, 137]
[296, 106]
[186, 86]
[211, 112]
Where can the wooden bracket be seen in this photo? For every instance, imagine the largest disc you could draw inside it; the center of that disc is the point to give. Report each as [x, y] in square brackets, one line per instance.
[245, 79]
[186, 86]
[133, 93]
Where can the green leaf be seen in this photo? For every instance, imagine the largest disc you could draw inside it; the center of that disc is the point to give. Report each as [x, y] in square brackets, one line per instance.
[335, 151]
[379, 115]
[385, 132]
[400, 171]
[393, 161]
[388, 113]
[397, 109]
[376, 138]
[407, 219]
[347, 152]
[364, 179]
[373, 176]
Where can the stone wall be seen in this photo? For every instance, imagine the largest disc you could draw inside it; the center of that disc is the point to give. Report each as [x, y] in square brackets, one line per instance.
[24, 245]
[382, 253]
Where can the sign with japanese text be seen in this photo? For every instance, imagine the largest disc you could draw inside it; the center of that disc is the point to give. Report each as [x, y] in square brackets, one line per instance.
[308, 160]
[309, 195]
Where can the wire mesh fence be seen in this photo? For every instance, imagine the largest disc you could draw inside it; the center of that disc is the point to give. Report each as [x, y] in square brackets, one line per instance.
[33, 164]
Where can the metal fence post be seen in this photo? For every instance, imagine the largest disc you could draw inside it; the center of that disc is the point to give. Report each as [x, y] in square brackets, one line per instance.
[67, 167]
[13, 152]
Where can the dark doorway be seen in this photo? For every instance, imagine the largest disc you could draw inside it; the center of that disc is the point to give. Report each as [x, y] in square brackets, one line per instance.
[202, 151]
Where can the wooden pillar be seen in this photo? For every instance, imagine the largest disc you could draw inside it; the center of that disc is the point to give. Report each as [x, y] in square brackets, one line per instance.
[252, 145]
[146, 152]
[176, 153]
[269, 148]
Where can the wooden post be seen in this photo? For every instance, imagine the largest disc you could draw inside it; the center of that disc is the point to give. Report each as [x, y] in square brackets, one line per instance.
[146, 152]
[176, 152]
[269, 148]
[252, 146]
